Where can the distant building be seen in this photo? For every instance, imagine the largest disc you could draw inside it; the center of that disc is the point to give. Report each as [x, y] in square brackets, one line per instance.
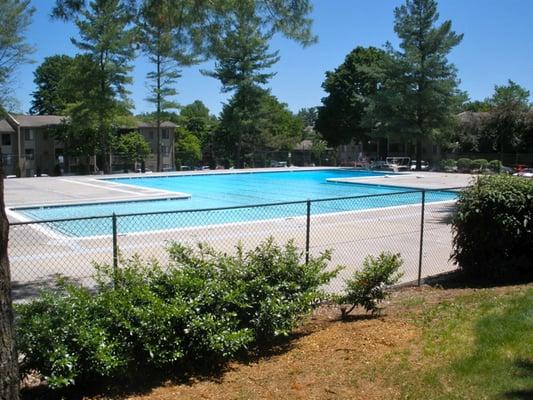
[28, 141]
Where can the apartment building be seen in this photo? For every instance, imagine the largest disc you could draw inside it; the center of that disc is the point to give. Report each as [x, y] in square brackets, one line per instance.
[28, 141]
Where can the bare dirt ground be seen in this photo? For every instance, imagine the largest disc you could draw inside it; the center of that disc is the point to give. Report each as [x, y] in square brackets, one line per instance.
[328, 358]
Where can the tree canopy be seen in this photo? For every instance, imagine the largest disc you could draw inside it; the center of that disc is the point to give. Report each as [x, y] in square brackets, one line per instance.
[107, 38]
[349, 87]
[15, 17]
[419, 97]
[52, 95]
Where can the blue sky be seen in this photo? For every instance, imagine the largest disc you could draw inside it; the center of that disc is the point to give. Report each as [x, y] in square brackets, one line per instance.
[497, 46]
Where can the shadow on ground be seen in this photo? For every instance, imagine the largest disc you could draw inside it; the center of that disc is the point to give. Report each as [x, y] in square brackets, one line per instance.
[526, 369]
[29, 290]
[457, 279]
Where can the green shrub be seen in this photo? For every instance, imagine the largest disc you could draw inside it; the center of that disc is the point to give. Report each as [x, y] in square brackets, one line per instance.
[368, 287]
[201, 309]
[464, 164]
[493, 227]
[495, 166]
[448, 165]
[479, 164]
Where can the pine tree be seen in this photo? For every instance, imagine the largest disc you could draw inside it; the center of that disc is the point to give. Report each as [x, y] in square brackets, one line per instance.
[107, 37]
[419, 98]
[239, 42]
[171, 36]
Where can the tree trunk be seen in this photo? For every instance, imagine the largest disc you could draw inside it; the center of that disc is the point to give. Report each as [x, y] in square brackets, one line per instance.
[158, 99]
[9, 378]
[419, 153]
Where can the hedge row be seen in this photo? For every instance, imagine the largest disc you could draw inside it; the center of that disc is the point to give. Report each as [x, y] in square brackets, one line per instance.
[468, 165]
[204, 308]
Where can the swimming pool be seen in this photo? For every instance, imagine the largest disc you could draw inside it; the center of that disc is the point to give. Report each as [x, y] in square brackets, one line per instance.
[229, 190]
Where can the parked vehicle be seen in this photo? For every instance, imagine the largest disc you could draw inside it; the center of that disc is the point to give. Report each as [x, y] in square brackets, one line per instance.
[525, 172]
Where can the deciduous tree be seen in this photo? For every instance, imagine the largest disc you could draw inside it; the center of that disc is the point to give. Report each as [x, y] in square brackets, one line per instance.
[52, 96]
[507, 124]
[349, 88]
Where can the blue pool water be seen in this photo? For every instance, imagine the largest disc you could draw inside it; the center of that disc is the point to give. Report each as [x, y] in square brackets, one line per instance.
[229, 190]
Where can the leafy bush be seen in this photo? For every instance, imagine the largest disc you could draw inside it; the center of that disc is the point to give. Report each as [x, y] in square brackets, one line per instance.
[479, 164]
[202, 309]
[495, 166]
[368, 287]
[448, 165]
[464, 164]
[493, 227]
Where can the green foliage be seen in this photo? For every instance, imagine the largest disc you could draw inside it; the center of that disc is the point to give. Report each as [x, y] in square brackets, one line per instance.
[464, 164]
[52, 96]
[133, 145]
[254, 120]
[493, 227]
[107, 39]
[495, 166]
[368, 287]
[15, 17]
[419, 97]
[188, 148]
[448, 165]
[203, 308]
[479, 164]
[241, 49]
[349, 88]
[506, 127]
[477, 106]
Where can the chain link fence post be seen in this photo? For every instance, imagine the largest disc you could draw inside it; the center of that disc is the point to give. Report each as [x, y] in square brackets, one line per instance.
[115, 248]
[307, 231]
[420, 255]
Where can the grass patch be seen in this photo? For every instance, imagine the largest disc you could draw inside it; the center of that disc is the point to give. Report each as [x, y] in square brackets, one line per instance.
[474, 346]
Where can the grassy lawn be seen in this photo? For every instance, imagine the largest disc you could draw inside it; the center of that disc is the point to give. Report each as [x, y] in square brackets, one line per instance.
[476, 345]
[427, 344]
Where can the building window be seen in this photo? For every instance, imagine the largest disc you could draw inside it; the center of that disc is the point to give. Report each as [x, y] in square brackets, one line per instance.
[165, 134]
[151, 135]
[28, 134]
[165, 150]
[6, 139]
[29, 154]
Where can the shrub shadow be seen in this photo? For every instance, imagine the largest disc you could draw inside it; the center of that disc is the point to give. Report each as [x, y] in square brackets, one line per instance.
[526, 369]
[459, 280]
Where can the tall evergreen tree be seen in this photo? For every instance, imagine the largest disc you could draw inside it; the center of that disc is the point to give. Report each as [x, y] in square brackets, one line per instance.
[419, 98]
[15, 17]
[107, 37]
[171, 36]
[239, 42]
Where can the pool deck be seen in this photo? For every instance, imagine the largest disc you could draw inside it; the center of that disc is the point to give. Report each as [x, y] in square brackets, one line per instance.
[28, 192]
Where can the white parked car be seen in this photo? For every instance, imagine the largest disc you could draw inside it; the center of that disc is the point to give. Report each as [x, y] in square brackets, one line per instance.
[424, 166]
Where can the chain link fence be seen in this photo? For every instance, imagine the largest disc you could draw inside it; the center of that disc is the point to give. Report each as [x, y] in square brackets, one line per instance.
[414, 223]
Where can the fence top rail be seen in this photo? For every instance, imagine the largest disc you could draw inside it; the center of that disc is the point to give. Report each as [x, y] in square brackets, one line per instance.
[248, 206]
